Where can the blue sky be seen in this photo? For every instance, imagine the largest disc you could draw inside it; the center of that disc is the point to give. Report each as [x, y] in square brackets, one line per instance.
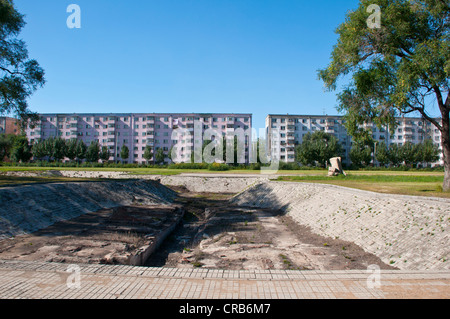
[206, 56]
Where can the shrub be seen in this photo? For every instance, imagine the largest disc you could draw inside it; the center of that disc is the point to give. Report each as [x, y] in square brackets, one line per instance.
[218, 167]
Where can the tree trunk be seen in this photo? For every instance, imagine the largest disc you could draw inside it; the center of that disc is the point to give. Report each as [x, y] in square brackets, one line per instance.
[445, 142]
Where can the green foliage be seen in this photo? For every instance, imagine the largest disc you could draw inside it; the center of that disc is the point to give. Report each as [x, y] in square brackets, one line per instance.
[160, 156]
[317, 148]
[189, 166]
[81, 150]
[148, 153]
[6, 143]
[21, 150]
[105, 154]
[93, 152]
[360, 154]
[124, 152]
[56, 148]
[409, 154]
[20, 77]
[382, 153]
[396, 69]
[218, 167]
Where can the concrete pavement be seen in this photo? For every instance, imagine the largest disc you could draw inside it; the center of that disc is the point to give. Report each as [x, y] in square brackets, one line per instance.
[41, 280]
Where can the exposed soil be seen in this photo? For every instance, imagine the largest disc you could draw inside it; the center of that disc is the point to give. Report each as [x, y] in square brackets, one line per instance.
[211, 233]
[111, 236]
[214, 234]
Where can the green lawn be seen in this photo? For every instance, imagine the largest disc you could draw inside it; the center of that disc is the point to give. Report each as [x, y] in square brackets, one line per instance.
[415, 183]
[423, 183]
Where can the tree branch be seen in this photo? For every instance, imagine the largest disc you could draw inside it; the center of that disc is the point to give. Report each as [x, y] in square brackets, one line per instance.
[11, 72]
[421, 110]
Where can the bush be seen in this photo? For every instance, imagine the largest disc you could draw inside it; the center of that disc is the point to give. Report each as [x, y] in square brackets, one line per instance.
[189, 166]
[218, 167]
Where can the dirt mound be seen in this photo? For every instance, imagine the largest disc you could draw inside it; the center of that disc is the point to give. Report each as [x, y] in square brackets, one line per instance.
[25, 209]
[408, 232]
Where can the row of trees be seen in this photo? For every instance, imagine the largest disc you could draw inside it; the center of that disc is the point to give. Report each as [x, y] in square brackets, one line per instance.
[317, 148]
[17, 149]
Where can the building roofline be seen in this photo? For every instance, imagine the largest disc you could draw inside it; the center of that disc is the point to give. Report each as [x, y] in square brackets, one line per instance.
[340, 116]
[134, 114]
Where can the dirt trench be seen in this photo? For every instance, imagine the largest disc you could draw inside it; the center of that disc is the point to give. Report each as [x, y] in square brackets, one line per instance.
[217, 235]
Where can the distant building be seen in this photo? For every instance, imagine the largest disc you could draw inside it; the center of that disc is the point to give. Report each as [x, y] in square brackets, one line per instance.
[9, 125]
[294, 127]
[136, 131]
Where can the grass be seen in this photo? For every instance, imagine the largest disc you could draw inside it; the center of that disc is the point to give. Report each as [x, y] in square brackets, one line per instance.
[419, 184]
[414, 182]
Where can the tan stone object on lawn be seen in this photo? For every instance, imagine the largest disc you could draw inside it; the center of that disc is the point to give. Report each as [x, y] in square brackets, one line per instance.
[336, 167]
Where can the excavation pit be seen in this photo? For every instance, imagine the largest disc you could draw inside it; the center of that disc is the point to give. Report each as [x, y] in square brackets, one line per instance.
[121, 235]
[194, 221]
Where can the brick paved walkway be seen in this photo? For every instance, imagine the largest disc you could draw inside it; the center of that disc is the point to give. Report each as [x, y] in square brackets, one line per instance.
[38, 280]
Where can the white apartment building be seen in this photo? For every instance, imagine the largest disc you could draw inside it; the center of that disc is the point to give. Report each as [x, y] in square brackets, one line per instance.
[292, 128]
[138, 130]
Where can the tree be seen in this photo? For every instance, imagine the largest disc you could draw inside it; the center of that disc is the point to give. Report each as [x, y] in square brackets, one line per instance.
[39, 150]
[6, 143]
[360, 154]
[398, 68]
[71, 149]
[20, 77]
[382, 153]
[105, 154]
[124, 152]
[93, 152]
[58, 148]
[21, 150]
[408, 154]
[394, 155]
[148, 153]
[80, 150]
[160, 156]
[318, 148]
[427, 152]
